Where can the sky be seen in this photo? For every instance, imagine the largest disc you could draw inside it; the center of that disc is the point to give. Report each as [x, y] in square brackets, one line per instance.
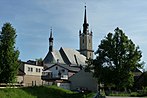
[33, 20]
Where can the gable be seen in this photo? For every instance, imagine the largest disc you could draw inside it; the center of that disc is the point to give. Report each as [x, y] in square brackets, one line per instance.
[73, 56]
[49, 58]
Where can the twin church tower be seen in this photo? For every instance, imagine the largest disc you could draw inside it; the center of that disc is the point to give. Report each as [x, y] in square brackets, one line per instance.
[85, 39]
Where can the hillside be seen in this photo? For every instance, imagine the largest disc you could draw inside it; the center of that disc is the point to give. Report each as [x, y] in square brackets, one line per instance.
[39, 92]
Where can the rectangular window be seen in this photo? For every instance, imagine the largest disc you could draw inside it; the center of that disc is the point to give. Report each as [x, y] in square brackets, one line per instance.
[31, 69]
[36, 69]
[28, 68]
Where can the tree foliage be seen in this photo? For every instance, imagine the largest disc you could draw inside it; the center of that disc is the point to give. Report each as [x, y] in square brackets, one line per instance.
[116, 59]
[8, 54]
[39, 61]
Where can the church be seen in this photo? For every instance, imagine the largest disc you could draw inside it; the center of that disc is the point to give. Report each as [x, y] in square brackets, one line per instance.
[65, 67]
[71, 57]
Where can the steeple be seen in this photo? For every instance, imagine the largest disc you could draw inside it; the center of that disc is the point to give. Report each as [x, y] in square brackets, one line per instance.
[51, 42]
[85, 24]
[86, 39]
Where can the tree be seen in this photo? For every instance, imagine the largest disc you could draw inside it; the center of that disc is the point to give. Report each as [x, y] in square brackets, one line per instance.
[39, 62]
[117, 58]
[8, 54]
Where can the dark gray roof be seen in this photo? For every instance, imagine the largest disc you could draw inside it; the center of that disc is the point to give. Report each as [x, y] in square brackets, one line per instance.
[70, 68]
[49, 58]
[20, 72]
[52, 57]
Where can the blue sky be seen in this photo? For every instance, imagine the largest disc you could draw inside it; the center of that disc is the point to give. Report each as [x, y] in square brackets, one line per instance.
[33, 19]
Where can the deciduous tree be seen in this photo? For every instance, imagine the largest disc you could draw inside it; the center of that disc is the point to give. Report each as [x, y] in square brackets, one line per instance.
[116, 59]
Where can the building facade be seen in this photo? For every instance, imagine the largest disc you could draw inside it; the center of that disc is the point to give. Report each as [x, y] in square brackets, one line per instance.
[31, 74]
[83, 79]
[59, 74]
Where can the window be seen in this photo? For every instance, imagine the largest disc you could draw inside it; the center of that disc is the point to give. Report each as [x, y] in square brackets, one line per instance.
[56, 68]
[63, 70]
[37, 69]
[28, 68]
[31, 69]
[83, 40]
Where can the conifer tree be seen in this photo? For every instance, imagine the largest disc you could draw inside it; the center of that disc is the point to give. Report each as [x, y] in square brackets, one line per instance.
[8, 54]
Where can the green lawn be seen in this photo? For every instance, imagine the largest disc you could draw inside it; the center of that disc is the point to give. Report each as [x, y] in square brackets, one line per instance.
[40, 92]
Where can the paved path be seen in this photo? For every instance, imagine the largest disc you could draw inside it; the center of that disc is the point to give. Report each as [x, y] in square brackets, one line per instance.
[124, 97]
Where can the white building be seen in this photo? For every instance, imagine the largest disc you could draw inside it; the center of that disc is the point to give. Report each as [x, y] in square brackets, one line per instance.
[30, 74]
[59, 71]
[59, 74]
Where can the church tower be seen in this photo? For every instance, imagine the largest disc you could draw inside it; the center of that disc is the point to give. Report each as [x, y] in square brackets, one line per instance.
[51, 42]
[86, 39]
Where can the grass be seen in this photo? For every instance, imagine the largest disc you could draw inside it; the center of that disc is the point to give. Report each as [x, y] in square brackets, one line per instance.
[139, 93]
[40, 92]
[14, 93]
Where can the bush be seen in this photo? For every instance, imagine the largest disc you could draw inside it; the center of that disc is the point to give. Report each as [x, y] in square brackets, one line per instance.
[134, 94]
[142, 92]
[119, 94]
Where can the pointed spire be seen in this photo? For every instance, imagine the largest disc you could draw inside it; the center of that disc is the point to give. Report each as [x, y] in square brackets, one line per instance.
[51, 33]
[51, 41]
[85, 17]
[85, 24]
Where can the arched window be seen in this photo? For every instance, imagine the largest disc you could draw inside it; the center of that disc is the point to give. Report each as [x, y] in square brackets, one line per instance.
[56, 68]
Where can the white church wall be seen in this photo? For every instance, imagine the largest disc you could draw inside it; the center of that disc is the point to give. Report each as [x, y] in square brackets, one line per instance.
[55, 72]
